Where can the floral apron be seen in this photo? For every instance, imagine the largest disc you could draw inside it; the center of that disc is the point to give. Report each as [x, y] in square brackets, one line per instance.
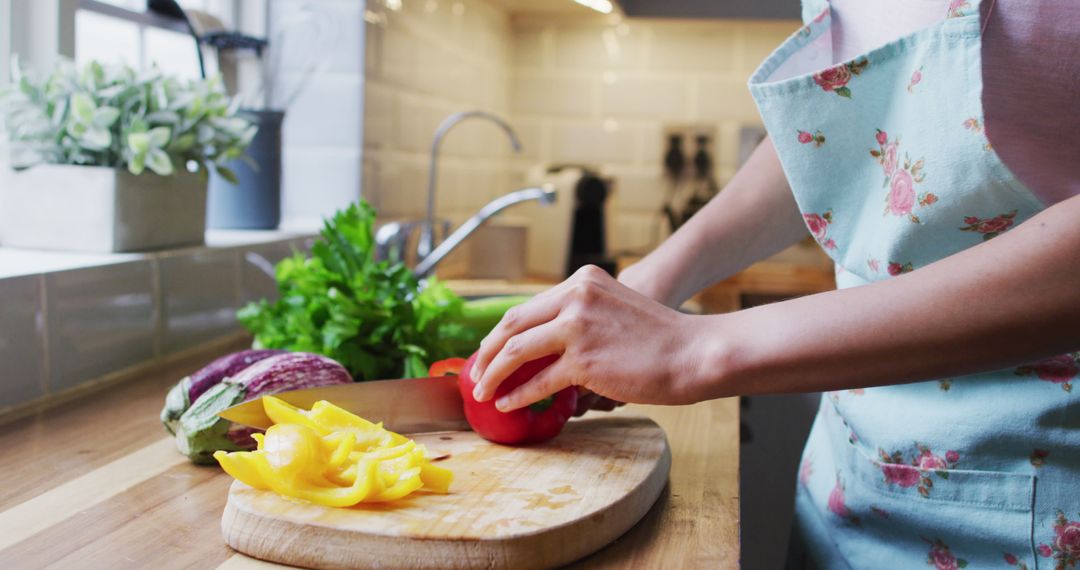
[889, 164]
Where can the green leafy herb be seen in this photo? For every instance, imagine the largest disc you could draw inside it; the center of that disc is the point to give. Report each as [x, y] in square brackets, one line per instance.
[371, 316]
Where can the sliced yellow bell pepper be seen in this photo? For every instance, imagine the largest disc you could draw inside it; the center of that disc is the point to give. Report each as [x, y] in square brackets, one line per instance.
[331, 457]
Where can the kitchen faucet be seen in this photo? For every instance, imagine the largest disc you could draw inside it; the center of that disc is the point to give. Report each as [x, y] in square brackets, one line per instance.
[392, 238]
[427, 231]
[544, 194]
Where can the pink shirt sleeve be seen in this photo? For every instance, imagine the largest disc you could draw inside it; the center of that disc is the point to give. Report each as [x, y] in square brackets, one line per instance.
[1031, 91]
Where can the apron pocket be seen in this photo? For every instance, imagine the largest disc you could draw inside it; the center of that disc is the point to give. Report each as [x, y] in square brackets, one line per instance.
[958, 518]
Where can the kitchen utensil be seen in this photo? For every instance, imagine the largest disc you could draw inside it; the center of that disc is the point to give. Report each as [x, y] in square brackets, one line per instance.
[406, 406]
[509, 507]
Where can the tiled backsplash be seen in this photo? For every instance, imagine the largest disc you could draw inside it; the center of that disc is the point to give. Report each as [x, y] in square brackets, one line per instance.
[323, 141]
[60, 329]
[600, 91]
[593, 90]
[425, 61]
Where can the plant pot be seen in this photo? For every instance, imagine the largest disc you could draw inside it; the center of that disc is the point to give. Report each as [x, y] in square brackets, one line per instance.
[99, 209]
[254, 202]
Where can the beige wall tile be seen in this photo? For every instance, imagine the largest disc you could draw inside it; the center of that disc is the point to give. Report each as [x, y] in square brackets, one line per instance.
[638, 188]
[532, 46]
[546, 93]
[591, 143]
[695, 48]
[655, 97]
[601, 47]
[760, 39]
[726, 99]
[596, 91]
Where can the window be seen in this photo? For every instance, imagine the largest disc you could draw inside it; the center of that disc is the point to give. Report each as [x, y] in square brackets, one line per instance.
[5, 40]
[123, 31]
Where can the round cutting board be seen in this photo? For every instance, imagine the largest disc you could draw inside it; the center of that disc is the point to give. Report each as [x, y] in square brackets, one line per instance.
[508, 507]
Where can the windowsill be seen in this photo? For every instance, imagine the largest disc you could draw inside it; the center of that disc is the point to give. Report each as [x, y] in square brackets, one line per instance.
[16, 262]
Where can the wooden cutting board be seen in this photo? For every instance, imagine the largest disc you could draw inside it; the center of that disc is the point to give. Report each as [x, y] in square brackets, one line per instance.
[508, 507]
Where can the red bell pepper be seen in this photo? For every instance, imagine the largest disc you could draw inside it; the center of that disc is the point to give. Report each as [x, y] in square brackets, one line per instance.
[448, 367]
[534, 423]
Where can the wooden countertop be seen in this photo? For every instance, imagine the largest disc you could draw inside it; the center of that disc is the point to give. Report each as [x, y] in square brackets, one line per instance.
[95, 483]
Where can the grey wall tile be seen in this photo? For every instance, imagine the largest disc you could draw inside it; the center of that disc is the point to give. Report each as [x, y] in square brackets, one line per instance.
[200, 293]
[22, 351]
[257, 270]
[100, 320]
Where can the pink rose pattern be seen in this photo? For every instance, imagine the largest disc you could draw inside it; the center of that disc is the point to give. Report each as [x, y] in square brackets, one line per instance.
[806, 138]
[1058, 369]
[837, 77]
[818, 224]
[923, 463]
[1064, 548]
[896, 268]
[1013, 560]
[901, 201]
[956, 8]
[1038, 457]
[837, 505]
[916, 78]
[989, 227]
[941, 558]
[900, 180]
[975, 125]
[806, 469]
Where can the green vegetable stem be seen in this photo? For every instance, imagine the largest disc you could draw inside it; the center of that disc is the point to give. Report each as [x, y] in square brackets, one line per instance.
[370, 315]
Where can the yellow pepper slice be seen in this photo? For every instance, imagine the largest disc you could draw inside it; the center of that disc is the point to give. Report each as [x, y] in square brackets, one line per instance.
[331, 457]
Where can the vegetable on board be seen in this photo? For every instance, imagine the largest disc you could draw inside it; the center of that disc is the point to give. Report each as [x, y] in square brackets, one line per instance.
[188, 390]
[331, 457]
[448, 367]
[534, 423]
[200, 432]
[373, 316]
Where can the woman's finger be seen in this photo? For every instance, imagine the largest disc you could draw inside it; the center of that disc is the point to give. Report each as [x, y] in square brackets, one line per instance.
[549, 381]
[534, 312]
[536, 342]
[583, 285]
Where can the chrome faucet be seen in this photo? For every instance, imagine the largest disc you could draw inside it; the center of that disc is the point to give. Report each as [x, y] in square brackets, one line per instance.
[544, 194]
[392, 239]
[427, 231]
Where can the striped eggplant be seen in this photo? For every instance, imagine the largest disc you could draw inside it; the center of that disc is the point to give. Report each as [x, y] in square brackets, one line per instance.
[200, 432]
[188, 390]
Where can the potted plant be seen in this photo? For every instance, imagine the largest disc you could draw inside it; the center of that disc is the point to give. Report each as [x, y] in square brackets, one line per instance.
[108, 158]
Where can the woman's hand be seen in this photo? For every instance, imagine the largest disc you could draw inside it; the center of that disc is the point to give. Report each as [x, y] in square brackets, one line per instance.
[612, 340]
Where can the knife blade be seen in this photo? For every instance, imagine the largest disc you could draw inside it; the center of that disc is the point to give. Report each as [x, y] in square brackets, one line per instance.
[411, 405]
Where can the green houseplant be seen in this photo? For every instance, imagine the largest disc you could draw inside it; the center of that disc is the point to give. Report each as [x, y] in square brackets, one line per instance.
[109, 158]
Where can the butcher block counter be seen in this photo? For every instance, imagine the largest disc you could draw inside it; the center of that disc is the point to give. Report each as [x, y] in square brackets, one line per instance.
[95, 483]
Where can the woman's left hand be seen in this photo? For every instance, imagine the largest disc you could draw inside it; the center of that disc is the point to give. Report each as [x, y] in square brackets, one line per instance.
[612, 340]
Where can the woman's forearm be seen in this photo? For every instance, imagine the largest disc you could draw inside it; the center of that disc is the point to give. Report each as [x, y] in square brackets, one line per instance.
[1013, 299]
[755, 216]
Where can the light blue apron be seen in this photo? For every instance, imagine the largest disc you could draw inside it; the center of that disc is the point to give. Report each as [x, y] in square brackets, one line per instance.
[888, 161]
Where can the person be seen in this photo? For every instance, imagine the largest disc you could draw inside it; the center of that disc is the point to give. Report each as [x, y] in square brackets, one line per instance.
[934, 158]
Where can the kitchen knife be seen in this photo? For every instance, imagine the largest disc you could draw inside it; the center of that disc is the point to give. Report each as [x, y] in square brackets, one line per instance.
[410, 405]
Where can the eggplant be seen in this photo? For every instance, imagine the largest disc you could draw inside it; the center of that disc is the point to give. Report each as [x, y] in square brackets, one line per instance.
[200, 432]
[188, 390]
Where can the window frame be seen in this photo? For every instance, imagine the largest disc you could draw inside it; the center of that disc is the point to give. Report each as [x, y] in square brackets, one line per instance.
[143, 19]
[5, 41]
